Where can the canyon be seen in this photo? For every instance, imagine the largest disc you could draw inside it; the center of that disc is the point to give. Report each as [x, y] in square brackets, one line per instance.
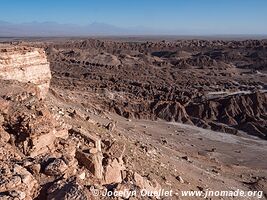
[84, 115]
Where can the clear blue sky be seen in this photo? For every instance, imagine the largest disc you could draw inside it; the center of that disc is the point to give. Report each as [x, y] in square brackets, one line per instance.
[203, 16]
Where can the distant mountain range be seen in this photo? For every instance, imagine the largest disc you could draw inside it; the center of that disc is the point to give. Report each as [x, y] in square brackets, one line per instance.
[55, 29]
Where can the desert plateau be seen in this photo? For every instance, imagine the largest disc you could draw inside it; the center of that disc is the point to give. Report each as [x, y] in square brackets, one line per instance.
[120, 118]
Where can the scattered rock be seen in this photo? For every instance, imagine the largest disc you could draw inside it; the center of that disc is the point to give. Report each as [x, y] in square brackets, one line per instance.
[144, 183]
[16, 181]
[67, 190]
[34, 168]
[180, 179]
[111, 126]
[4, 136]
[56, 168]
[117, 149]
[185, 158]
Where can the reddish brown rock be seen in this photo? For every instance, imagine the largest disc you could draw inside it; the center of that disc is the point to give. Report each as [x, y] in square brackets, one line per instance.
[144, 183]
[17, 182]
[56, 167]
[67, 190]
[242, 111]
[113, 171]
[117, 149]
[4, 136]
[171, 111]
[92, 161]
[8, 151]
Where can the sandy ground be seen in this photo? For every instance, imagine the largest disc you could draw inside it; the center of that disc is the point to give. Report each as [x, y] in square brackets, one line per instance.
[206, 160]
[168, 151]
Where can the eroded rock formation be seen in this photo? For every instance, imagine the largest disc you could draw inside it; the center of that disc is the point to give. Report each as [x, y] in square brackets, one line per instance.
[171, 80]
[241, 111]
[51, 149]
[25, 64]
[42, 157]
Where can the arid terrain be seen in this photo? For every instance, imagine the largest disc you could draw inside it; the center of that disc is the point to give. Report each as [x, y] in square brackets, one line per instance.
[79, 116]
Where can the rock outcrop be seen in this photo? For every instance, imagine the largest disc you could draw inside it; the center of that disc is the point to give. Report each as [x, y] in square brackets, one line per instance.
[40, 158]
[52, 149]
[25, 64]
[168, 80]
[246, 112]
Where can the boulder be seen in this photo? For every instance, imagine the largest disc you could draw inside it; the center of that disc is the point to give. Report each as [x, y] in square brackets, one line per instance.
[92, 160]
[144, 183]
[4, 136]
[8, 151]
[41, 144]
[113, 171]
[33, 126]
[111, 126]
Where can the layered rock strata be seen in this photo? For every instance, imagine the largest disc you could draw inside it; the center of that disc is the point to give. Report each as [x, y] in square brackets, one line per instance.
[25, 64]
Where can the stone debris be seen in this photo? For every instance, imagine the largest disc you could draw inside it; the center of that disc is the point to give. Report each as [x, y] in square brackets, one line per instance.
[4, 136]
[34, 168]
[180, 179]
[7, 151]
[16, 182]
[33, 128]
[62, 134]
[117, 149]
[261, 185]
[35, 133]
[41, 144]
[88, 136]
[56, 167]
[144, 183]
[43, 157]
[67, 190]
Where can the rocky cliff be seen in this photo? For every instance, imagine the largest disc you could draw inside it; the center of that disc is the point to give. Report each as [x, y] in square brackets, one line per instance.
[246, 112]
[42, 156]
[25, 64]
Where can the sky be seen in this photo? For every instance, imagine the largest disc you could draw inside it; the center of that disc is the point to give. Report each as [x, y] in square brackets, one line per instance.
[177, 16]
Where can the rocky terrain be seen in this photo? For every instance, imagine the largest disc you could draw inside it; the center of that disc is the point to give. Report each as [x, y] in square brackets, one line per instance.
[220, 85]
[42, 157]
[129, 116]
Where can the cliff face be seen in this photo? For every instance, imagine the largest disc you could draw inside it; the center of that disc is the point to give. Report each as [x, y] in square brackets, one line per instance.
[245, 112]
[25, 64]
